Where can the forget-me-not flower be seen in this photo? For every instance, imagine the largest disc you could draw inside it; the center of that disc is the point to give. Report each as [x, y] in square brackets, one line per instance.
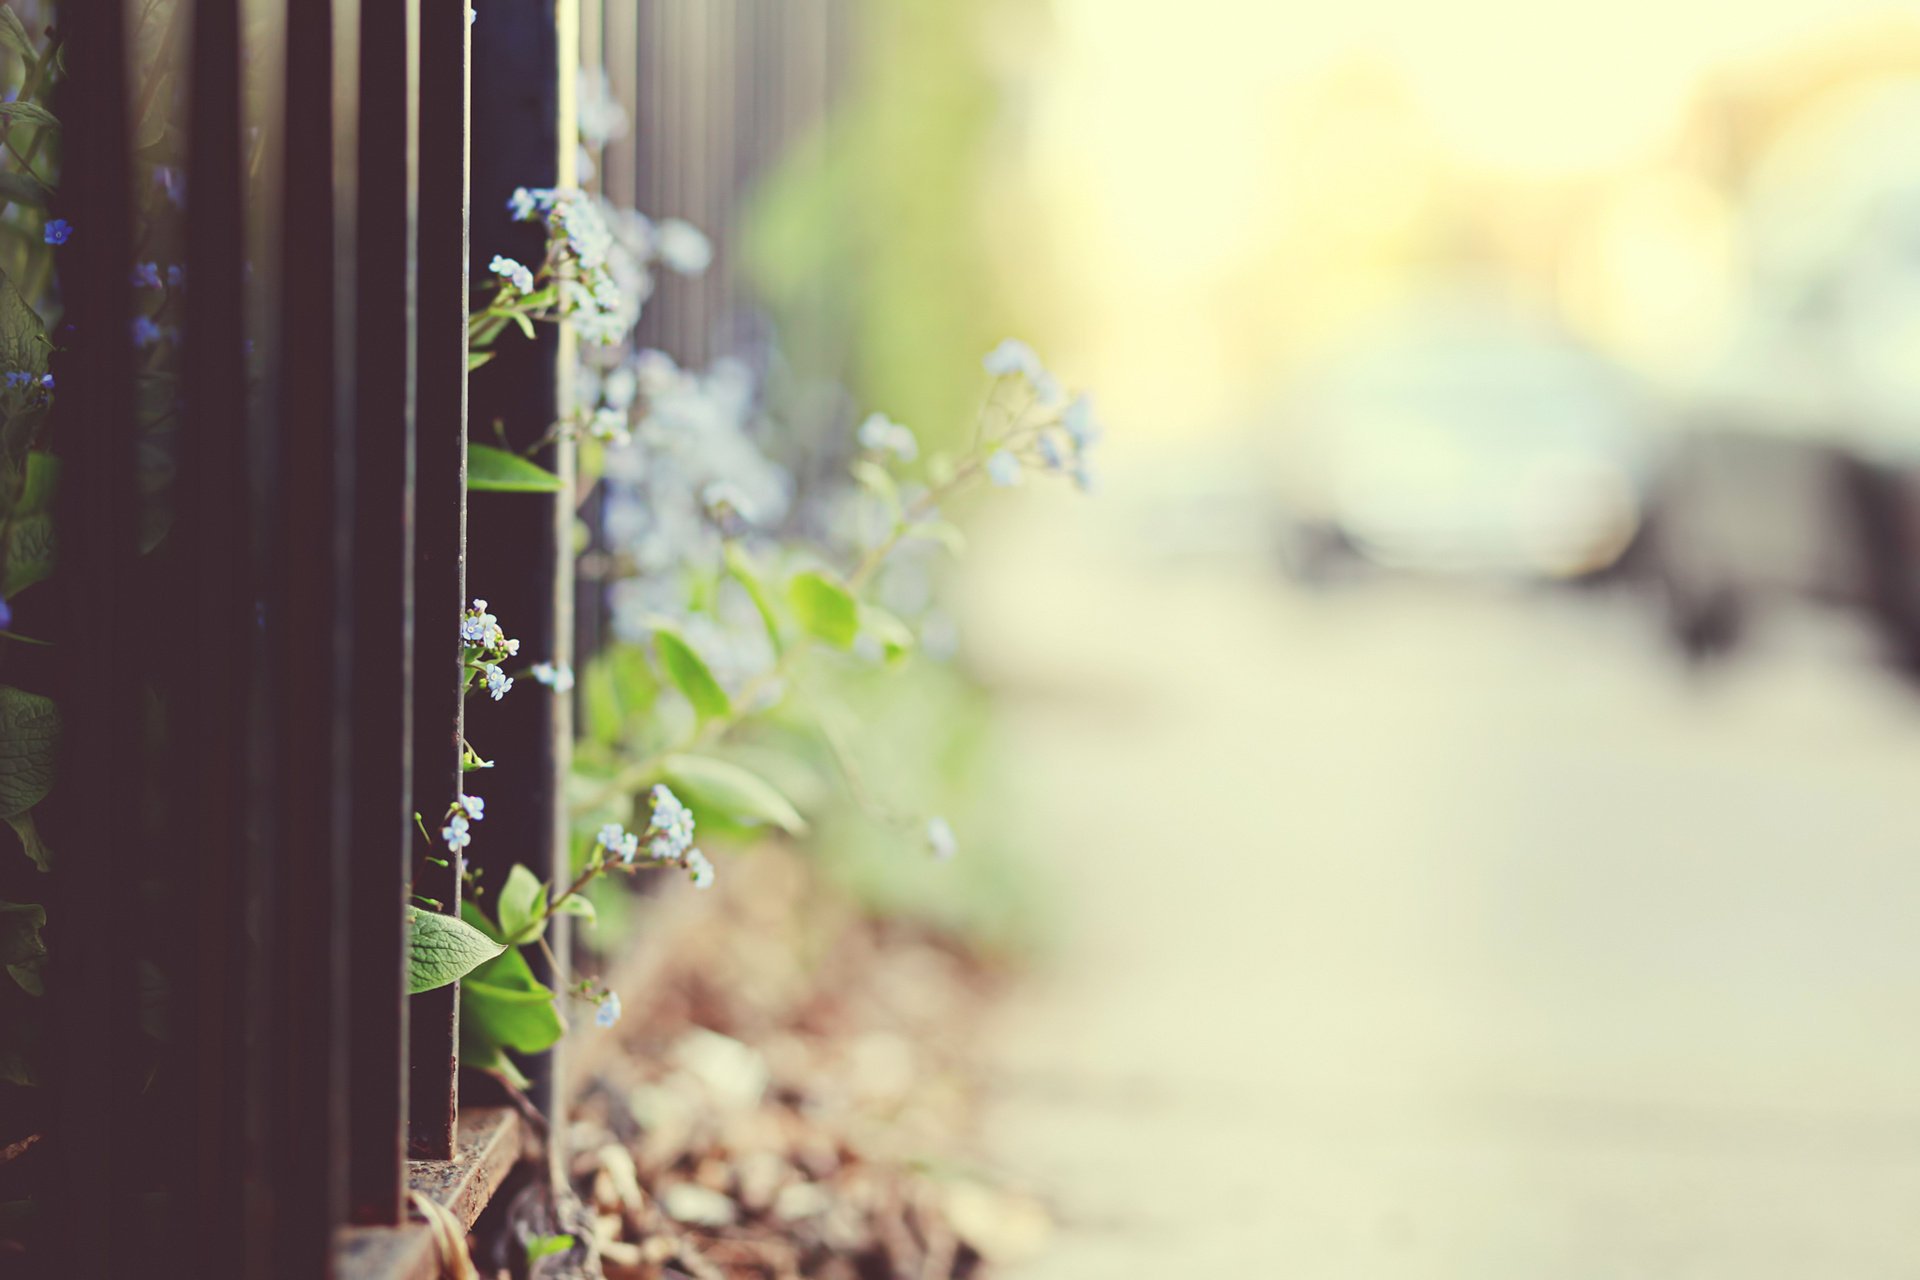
[513, 272]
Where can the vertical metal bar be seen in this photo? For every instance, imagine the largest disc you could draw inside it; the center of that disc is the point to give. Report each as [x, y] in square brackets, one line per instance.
[623, 69]
[440, 536]
[381, 828]
[306, 582]
[91, 991]
[514, 540]
[208, 561]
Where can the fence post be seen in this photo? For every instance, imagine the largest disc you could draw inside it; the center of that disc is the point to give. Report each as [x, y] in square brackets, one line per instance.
[440, 539]
[382, 838]
[519, 544]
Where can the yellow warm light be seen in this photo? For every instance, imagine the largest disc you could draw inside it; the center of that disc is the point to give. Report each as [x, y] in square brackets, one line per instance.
[1228, 186]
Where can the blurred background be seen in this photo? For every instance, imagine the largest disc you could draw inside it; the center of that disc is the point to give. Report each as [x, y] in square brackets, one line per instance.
[1459, 774]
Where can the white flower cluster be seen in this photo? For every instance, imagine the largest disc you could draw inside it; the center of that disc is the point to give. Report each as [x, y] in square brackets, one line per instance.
[1062, 441]
[514, 273]
[603, 253]
[880, 434]
[668, 838]
[460, 814]
[556, 676]
[489, 646]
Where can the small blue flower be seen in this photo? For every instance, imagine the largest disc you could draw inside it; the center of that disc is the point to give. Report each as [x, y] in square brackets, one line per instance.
[1003, 469]
[146, 275]
[172, 183]
[611, 836]
[476, 624]
[145, 332]
[176, 276]
[498, 681]
[6, 615]
[699, 870]
[556, 676]
[1080, 424]
[1050, 452]
[1012, 356]
[940, 838]
[512, 272]
[670, 832]
[455, 833]
[881, 434]
[19, 379]
[609, 1011]
[57, 231]
[473, 806]
[47, 382]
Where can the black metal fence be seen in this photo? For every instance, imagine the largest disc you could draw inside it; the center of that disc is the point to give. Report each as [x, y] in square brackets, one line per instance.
[257, 703]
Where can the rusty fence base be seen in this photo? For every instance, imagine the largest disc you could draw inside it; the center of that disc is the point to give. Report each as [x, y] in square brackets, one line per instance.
[488, 1143]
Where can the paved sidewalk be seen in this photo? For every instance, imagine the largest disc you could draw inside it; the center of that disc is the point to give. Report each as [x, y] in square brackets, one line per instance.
[1435, 933]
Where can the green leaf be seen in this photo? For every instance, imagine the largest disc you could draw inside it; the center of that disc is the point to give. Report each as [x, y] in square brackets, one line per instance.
[873, 476]
[13, 35]
[36, 493]
[29, 742]
[28, 555]
[579, 905]
[507, 1006]
[685, 669]
[23, 190]
[519, 906]
[477, 358]
[491, 470]
[740, 565]
[23, 335]
[895, 637]
[21, 949]
[22, 824]
[825, 608]
[443, 949]
[482, 1054]
[526, 325]
[545, 1246]
[31, 113]
[739, 794]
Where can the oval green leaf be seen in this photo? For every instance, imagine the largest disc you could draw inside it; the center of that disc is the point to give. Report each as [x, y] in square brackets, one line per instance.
[825, 608]
[686, 669]
[737, 793]
[519, 905]
[443, 949]
[491, 470]
[29, 741]
[895, 637]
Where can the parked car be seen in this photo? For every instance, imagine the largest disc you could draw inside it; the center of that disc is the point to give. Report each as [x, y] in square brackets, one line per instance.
[1464, 437]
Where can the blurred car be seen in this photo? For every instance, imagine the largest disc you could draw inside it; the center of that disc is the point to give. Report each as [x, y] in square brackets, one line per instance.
[1796, 475]
[1464, 437]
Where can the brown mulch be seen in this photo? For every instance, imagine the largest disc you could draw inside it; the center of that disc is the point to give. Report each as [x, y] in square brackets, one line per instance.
[792, 1098]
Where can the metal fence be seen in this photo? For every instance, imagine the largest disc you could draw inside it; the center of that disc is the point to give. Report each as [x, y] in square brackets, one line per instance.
[256, 706]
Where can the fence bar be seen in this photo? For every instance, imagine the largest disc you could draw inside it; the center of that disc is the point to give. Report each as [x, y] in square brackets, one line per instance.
[91, 991]
[381, 829]
[309, 593]
[206, 561]
[514, 540]
[440, 536]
